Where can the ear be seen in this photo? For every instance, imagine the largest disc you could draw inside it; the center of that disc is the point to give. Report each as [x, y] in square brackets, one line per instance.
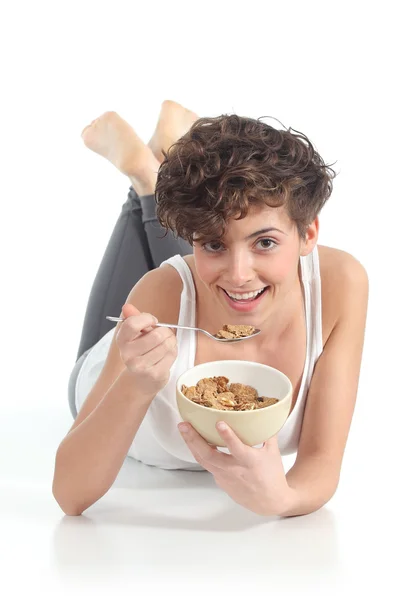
[308, 244]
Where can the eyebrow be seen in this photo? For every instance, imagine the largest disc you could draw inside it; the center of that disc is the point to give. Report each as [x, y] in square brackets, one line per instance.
[267, 230]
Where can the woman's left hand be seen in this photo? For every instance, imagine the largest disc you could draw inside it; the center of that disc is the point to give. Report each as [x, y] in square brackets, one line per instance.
[253, 477]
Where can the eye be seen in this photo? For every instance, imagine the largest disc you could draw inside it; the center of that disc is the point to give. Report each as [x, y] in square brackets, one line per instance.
[211, 244]
[214, 247]
[271, 243]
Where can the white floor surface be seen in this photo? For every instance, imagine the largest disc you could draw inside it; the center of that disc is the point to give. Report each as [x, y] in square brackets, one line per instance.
[176, 533]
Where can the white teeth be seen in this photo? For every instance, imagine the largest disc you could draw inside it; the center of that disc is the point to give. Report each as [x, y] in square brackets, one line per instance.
[245, 296]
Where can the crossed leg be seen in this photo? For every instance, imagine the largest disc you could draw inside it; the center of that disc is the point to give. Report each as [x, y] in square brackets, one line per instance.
[137, 244]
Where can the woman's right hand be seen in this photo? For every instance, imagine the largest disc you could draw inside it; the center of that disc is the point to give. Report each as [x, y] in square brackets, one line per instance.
[147, 351]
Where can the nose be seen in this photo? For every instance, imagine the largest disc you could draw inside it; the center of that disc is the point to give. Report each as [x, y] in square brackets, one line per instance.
[240, 269]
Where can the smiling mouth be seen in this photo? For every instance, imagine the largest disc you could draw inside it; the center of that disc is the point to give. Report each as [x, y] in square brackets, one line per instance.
[248, 300]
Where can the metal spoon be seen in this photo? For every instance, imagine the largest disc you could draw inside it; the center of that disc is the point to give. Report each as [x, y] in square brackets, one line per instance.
[256, 332]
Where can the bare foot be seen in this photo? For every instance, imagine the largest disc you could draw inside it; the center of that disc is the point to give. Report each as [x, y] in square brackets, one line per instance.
[173, 122]
[112, 137]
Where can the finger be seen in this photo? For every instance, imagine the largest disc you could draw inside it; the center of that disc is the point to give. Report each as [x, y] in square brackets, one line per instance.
[141, 362]
[202, 463]
[236, 447]
[270, 444]
[132, 326]
[129, 310]
[166, 350]
[207, 454]
[158, 336]
[207, 465]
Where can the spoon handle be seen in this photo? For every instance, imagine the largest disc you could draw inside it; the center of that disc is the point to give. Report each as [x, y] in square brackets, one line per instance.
[120, 319]
[177, 326]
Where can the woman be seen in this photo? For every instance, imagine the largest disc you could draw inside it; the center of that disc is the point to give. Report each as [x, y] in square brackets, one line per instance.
[246, 198]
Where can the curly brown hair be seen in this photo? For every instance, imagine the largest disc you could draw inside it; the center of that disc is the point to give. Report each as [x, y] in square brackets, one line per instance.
[225, 165]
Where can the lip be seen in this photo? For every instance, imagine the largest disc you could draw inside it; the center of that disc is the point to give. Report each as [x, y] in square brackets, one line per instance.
[245, 291]
[244, 307]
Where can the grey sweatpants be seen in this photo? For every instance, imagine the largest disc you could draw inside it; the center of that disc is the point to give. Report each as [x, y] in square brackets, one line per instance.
[135, 247]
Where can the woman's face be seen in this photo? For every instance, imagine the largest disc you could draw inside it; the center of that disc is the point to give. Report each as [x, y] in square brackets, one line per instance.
[249, 259]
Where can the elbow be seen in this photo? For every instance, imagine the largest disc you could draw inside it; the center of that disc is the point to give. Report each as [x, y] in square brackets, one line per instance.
[70, 512]
[70, 509]
[61, 490]
[301, 511]
[302, 505]
[73, 502]
[72, 490]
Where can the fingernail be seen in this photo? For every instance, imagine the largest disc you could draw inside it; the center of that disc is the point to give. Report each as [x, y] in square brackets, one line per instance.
[155, 320]
[183, 428]
[222, 426]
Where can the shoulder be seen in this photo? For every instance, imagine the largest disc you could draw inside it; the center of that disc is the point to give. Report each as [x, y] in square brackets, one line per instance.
[340, 271]
[344, 282]
[159, 292]
[338, 263]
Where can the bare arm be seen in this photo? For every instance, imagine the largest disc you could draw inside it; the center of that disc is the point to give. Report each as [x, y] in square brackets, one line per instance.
[314, 477]
[90, 456]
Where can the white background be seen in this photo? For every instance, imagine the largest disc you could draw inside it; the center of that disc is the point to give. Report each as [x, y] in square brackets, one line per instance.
[328, 70]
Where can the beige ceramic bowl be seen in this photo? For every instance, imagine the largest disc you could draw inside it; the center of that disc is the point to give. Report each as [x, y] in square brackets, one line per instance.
[252, 426]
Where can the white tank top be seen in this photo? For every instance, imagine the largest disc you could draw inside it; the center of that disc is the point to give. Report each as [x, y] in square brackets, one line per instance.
[158, 441]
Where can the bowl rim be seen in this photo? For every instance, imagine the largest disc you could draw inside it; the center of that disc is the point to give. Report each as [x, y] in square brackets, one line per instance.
[224, 412]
